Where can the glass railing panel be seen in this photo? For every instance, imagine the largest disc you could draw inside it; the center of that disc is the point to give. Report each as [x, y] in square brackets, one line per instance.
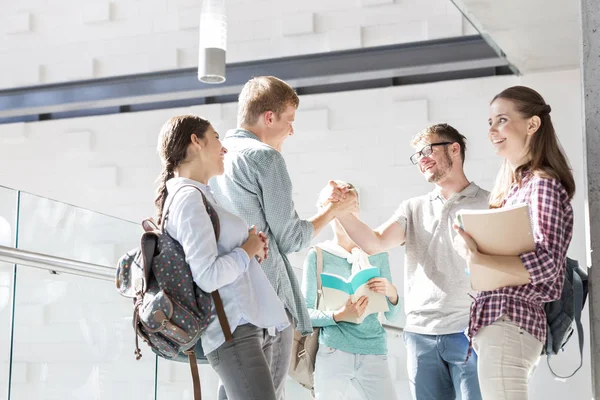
[62, 230]
[8, 213]
[175, 381]
[73, 334]
[74, 340]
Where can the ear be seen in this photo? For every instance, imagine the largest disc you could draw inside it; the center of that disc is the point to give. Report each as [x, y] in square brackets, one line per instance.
[533, 125]
[269, 117]
[455, 148]
[196, 141]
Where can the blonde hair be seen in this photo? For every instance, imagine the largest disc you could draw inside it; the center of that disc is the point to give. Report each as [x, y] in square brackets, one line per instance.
[262, 94]
[547, 158]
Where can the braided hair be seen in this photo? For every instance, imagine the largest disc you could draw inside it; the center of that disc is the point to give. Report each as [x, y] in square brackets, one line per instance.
[173, 142]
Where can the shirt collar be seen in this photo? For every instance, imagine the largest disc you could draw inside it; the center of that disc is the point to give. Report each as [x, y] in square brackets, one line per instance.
[174, 183]
[241, 133]
[469, 191]
[526, 173]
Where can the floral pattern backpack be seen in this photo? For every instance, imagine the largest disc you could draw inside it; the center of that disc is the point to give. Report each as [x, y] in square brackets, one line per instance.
[170, 311]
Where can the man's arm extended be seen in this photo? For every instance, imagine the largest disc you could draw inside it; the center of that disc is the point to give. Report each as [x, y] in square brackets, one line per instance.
[385, 237]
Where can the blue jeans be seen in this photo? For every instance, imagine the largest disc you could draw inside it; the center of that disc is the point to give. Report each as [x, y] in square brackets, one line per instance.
[437, 368]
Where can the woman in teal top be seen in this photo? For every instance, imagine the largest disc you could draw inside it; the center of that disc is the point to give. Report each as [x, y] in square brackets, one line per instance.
[350, 352]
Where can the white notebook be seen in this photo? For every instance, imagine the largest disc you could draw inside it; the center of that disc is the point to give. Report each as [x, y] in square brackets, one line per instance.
[499, 231]
[503, 231]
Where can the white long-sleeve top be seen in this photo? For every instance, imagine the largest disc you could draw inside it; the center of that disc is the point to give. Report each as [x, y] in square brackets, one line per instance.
[247, 295]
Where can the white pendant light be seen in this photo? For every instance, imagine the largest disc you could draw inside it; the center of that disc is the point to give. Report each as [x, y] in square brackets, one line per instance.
[213, 42]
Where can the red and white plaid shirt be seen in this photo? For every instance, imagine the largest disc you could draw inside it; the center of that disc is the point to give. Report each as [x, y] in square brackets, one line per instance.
[552, 222]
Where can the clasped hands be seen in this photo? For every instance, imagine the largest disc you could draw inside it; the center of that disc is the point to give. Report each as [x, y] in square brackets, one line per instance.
[257, 245]
[341, 199]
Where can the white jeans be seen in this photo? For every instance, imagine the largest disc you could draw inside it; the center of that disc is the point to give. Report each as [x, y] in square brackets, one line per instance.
[507, 357]
[335, 369]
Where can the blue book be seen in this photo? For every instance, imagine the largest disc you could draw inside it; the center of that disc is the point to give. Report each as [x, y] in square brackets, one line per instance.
[337, 290]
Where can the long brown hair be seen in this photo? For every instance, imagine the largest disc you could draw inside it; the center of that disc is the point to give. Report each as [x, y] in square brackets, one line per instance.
[173, 141]
[546, 155]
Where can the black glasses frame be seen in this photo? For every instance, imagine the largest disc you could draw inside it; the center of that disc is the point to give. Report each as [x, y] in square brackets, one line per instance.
[426, 151]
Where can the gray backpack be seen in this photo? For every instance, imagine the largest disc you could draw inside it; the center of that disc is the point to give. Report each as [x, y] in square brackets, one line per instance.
[561, 313]
[170, 311]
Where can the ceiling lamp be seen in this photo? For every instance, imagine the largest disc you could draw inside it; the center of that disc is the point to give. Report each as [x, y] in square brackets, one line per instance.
[213, 42]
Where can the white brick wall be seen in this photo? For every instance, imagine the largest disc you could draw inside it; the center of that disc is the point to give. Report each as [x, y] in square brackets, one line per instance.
[46, 42]
[18, 23]
[109, 164]
[298, 24]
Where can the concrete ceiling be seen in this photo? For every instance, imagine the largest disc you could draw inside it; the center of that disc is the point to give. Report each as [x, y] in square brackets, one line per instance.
[534, 34]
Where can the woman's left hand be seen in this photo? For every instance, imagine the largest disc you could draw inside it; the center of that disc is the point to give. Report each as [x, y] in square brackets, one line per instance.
[265, 240]
[464, 244]
[385, 287]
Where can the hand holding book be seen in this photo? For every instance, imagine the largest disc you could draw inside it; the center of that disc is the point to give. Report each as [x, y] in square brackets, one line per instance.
[384, 287]
[464, 244]
[491, 242]
[339, 293]
[352, 311]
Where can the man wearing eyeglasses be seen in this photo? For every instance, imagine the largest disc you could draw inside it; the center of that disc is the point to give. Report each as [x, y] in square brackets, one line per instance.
[436, 287]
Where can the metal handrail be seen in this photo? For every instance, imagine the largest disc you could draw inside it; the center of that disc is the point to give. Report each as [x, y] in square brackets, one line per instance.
[56, 264]
[393, 329]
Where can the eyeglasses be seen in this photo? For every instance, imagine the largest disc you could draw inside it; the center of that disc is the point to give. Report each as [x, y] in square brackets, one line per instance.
[426, 151]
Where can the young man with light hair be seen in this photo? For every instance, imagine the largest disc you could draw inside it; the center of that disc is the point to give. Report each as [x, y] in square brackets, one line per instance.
[436, 287]
[257, 187]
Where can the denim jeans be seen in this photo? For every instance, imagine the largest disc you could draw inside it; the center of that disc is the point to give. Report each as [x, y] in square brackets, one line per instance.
[368, 373]
[437, 368]
[278, 359]
[243, 364]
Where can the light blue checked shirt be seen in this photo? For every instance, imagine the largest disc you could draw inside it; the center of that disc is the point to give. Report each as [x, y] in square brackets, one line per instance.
[257, 187]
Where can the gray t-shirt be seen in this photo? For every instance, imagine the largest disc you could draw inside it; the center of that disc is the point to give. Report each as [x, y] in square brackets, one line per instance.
[436, 287]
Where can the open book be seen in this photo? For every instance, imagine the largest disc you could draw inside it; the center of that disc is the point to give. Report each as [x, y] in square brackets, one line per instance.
[336, 291]
[499, 232]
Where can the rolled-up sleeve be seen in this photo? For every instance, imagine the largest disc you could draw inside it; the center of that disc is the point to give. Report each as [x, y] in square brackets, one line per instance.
[289, 231]
[546, 263]
[193, 229]
[400, 215]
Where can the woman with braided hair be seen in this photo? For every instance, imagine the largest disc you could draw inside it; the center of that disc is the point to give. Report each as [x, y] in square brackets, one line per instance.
[191, 153]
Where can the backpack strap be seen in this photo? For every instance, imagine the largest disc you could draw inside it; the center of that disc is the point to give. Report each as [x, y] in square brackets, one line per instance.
[221, 315]
[195, 375]
[578, 299]
[577, 307]
[319, 272]
[214, 218]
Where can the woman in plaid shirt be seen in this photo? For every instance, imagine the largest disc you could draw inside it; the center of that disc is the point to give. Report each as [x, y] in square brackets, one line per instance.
[508, 324]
